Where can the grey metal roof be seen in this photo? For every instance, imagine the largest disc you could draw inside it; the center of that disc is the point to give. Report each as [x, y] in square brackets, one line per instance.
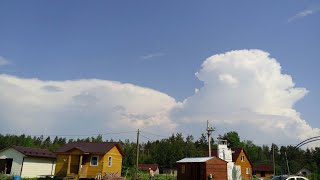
[195, 159]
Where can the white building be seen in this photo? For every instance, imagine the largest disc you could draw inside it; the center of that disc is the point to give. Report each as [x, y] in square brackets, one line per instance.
[27, 162]
[225, 153]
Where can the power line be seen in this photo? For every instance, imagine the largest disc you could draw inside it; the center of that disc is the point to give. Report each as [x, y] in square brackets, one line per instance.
[146, 137]
[154, 134]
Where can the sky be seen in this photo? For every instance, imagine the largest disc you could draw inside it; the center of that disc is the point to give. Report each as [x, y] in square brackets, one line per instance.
[81, 68]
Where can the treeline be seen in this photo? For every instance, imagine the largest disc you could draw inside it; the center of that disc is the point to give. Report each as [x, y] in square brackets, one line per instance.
[167, 151]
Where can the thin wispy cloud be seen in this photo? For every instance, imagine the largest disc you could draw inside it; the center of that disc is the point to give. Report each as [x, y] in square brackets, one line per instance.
[3, 61]
[305, 13]
[152, 55]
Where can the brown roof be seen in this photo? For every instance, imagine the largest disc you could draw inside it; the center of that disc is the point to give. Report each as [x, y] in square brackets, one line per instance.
[236, 152]
[262, 167]
[146, 167]
[90, 147]
[34, 152]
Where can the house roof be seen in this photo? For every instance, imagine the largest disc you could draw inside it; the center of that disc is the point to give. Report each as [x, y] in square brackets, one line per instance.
[195, 159]
[146, 167]
[262, 167]
[90, 147]
[236, 153]
[34, 152]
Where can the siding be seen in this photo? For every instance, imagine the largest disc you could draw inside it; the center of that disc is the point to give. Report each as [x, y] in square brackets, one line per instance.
[17, 159]
[244, 164]
[37, 167]
[61, 165]
[116, 161]
[218, 169]
[201, 170]
[94, 170]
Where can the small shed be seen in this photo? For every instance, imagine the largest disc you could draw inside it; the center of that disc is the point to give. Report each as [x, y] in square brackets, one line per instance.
[262, 170]
[27, 162]
[200, 168]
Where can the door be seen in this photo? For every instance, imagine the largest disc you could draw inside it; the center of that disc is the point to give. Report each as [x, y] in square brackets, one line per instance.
[74, 165]
[5, 165]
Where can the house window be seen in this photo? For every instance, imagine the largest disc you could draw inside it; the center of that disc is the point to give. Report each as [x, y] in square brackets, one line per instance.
[183, 169]
[242, 158]
[109, 161]
[94, 161]
[247, 170]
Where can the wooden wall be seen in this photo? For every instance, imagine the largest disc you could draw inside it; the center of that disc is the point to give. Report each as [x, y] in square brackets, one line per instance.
[201, 170]
[116, 161]
[218, 168]
[91, 171]
[61, 165]
[244, 165]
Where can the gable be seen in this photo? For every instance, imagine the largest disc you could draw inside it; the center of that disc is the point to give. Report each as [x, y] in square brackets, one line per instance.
[75, 151]
[114, 151]
[243, 159]
[216, 160]
[10, 153]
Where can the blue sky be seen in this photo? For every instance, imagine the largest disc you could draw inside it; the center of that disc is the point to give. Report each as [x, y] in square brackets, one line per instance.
[158, 44]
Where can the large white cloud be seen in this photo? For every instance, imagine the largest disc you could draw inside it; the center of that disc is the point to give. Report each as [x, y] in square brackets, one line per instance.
[80, 107]
[246, 91]
[243, 91]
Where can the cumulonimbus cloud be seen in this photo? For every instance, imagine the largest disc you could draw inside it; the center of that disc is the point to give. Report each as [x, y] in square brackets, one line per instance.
[243, 91]
[246, 91]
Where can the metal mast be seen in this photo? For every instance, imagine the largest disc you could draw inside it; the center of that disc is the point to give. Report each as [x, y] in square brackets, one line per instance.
[209, 132]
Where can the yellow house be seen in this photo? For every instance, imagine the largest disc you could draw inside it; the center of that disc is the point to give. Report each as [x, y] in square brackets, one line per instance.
[88, 159]
[240, 158]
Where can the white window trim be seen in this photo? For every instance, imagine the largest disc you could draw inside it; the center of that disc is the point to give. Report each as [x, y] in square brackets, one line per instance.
[97, 161]
[242, 158]
[109, 162]
[247, 170]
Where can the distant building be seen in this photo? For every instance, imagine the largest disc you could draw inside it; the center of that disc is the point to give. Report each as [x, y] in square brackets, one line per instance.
[262, 170]
[27, 162]
[145, 167]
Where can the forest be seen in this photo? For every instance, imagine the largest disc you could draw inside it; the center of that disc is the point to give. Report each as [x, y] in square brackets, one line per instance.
[167, 151]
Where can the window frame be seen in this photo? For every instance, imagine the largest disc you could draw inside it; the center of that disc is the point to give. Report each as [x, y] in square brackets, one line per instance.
[247, 170]
[109, 161]
[242, 158]
[183, 169]
[92, 159]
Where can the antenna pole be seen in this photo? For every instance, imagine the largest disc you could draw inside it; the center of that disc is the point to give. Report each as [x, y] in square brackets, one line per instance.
[209, 131]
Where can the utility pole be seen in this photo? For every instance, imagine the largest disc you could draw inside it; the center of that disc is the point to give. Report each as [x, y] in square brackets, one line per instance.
[137, 165]
[285, 153]
[209, 131]
[274, 162]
